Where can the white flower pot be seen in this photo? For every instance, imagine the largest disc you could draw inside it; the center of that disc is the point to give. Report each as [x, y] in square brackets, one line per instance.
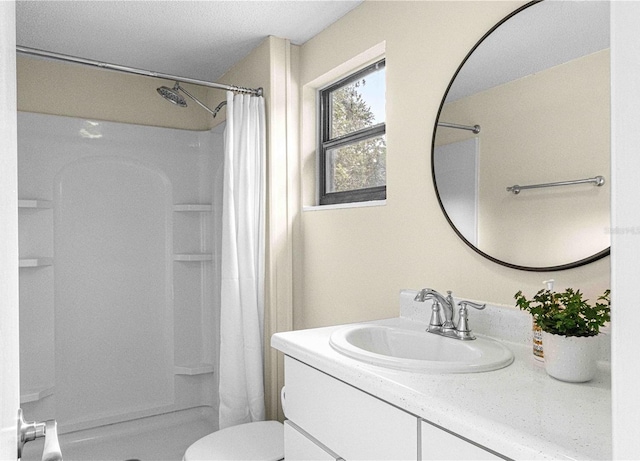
[570, 358]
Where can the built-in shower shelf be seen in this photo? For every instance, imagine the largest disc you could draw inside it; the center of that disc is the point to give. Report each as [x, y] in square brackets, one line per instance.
[193, 257]
[33, 395]
[42, 204]
[198, 207]
[35, 262]
[195, 369]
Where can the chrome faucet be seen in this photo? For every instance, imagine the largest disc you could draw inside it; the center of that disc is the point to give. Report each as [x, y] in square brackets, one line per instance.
[444, 325]
[439, 301]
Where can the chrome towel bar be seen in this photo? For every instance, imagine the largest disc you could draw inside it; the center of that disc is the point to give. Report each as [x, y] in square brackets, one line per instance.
[597, 181]
[474, 128]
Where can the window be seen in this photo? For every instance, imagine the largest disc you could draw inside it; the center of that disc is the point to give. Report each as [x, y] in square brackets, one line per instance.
[352, 138]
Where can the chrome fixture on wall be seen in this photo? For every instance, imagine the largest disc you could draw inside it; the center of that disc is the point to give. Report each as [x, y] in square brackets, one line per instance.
[173, 96]
[597, 181]
[475, 128]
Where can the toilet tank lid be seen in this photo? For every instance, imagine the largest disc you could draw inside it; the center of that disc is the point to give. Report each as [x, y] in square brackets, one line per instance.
[259, 441]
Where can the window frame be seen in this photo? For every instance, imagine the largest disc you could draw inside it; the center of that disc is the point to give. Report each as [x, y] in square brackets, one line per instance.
[325, 143]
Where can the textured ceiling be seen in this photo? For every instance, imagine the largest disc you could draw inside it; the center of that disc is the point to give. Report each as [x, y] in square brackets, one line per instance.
[195, 39]
[203, 39]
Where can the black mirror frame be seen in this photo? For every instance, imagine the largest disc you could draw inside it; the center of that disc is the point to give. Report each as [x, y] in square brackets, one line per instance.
[571, 265]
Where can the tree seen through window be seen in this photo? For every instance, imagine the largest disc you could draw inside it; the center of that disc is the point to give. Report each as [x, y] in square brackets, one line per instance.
[361, 164]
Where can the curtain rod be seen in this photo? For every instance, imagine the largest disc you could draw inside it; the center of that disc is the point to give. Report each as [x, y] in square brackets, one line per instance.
[132, 70]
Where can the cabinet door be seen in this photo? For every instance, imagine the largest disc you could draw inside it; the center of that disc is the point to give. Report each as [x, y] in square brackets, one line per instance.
[300, 447]
[350, 422]
[438, 444]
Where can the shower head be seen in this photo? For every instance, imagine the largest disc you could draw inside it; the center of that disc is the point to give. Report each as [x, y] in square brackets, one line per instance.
[172, 95]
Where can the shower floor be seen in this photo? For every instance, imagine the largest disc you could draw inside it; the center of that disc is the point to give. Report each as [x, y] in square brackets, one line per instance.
[159, 438]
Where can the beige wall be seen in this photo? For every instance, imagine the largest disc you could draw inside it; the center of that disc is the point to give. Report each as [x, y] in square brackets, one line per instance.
[51, 87]
[354, 261]
[550, 126]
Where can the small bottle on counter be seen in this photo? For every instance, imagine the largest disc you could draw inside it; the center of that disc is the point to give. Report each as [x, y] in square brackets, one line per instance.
[538, 349]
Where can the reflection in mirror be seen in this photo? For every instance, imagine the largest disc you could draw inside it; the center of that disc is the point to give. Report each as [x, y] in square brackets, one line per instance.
[536, 89]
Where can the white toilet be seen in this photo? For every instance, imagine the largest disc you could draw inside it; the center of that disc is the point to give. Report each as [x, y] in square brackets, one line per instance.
[258, 441]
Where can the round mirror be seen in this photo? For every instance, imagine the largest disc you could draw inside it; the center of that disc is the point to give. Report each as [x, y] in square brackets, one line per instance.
[521, 147]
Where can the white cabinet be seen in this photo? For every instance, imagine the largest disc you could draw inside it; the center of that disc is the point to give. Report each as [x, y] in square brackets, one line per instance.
[329, 419]
[349, 422]
[438, 444]
[300, 446]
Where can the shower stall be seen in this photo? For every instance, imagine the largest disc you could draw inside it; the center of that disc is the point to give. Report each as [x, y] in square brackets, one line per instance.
[119, 229]
[129, 240]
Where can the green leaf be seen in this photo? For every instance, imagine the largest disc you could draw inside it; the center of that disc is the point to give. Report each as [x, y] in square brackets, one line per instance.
[566, 313]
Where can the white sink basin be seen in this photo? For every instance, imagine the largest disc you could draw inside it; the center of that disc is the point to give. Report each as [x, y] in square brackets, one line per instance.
[419, 351]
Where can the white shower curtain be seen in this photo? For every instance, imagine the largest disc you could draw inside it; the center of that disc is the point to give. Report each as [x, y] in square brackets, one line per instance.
[242, 290]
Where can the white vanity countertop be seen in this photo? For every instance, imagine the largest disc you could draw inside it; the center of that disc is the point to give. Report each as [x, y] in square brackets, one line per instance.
[518, 411]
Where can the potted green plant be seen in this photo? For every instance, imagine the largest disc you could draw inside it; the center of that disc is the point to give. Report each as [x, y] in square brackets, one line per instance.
[570, 327]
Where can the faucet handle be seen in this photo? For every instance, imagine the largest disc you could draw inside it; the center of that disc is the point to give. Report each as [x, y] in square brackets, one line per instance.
[464, 304]
[436, 315]
[462, 329]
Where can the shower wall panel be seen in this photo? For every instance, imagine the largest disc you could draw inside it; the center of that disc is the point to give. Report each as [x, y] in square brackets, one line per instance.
[113, 276]
[119, 320]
